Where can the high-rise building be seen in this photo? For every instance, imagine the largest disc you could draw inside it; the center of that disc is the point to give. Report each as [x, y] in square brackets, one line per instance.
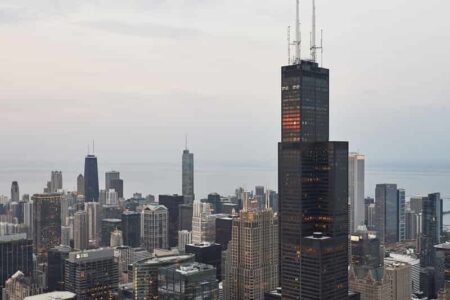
[91, 188]
[413, 261]
[401, 214]
[203, 223]
[80, 184]
[188, 176]
[207, 253]
[416, 204]
[93, 210]
[356, 163]
[387, 213]
[431, 227]
[398, 275]
[442, 267]
[184, 238]
[412, 225]
[55, 264]
[155, 227]
[313, 189]
[15, 195]
[172, 203]
[16, 253]
[117, 185]
[81, 231]
[185, 217]
[252, 267]
[108, 226]
[367, 202]
[183, 281]
[92, 274]
[110, 176]
[145, 272]
[224, 229]
[28, 218]
[56, 181]
[46, 223]
[214, 200]
[131, 228]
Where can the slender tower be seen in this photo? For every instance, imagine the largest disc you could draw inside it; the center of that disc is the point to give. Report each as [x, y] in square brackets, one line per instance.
[188, 176]
[91, 188]
[313, 187]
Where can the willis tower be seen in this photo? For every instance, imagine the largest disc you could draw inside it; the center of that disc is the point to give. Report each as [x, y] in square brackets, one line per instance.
[313, 185]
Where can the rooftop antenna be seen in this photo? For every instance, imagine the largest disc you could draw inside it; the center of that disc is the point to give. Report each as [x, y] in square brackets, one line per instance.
[314, 46]
[93, 146]
[298, 37]
[186, 142]
[321, 47]
[289, 44]
[89, 150]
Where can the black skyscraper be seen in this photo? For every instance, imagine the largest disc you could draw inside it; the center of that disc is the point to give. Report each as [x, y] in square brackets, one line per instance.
[313, 187]
[91, 189]
[172, 202]
[56, 257]
[131, 229]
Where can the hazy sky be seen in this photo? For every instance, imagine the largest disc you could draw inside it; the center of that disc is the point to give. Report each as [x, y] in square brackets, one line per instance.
[137, 75]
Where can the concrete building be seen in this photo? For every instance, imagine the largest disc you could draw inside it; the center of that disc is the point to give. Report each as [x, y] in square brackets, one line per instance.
[81, 231]
[356, 195]
[252, 257]
[116, 238]
[155, 227]
[56, 181]
[415, 267]
[80, 184]
[15, 194]
[184, 238]
[93, 210]
[109, 177]
[19, 286]
[53, 296]
[203, 223]
[398, 276]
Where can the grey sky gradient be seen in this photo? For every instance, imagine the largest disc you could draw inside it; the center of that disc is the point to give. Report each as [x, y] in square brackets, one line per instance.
[137, 75]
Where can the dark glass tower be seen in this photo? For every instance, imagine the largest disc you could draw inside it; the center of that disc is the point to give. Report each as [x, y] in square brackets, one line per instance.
[172, 203]
[313, 187]
[188, 176]
[91, 179]
[387, 221]
[131, 228]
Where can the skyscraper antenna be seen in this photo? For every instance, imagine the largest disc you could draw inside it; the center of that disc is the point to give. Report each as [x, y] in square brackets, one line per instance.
[89, 149]
[313, 33]
[289, 44]
[298, 37]
[186, 142]
[93, 146]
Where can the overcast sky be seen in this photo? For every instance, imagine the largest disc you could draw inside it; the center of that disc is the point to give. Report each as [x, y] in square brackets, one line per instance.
[137, 75]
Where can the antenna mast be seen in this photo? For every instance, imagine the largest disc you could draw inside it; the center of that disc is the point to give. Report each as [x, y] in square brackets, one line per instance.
[289, 44]
[298, 37]
[314, 46]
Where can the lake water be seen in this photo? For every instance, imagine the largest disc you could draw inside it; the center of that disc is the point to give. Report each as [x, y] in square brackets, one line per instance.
[165, 178]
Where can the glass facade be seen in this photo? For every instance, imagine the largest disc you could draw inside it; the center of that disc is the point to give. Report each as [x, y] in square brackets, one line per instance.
[313, 190]
[387, 213]
[91, 188]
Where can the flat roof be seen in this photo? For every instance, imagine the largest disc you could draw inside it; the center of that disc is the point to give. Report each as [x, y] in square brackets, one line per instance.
[52, 296]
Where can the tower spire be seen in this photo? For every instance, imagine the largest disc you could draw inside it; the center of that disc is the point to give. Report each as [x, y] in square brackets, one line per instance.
[313, 34]
[186, 142]
[298, 37]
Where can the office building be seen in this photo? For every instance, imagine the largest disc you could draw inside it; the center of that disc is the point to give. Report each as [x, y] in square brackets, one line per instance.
[46, 223]
[185, 217]
[56, 181]
[356, 163]
[16, 253]
[93, 210]
[412, 223]
[66, 235]
[92, 274]
[55, 264]
[81, 231]
[109, 177]
[188, 176]
[411, 261]
[252, 267]
[145, 273]
[117, 185]
[271, 198]
[131, 228]
[431, 227]
[442, 267]
[203, 223]
[398, 275]
[15, 195]
[172, 203]
[214, 200]
[53, 296]
[112, 198]
[416, 204]
[80, 184]
[387, 213]
[207, 253]
[155, 227]
[108, 226]
[20, 286]
[224, 229]
[367, 202]
[188, 281]
[116, 238]
[91, 187]
[28, 218]
[313, 187]
[184, 238]
[401, 214]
